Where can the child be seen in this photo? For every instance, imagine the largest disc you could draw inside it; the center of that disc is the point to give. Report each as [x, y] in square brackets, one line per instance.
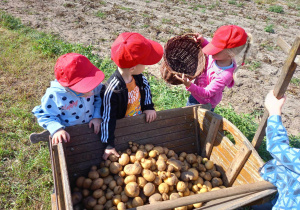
[127, 91]
[228, 41]
[73, 98]
[284, 170]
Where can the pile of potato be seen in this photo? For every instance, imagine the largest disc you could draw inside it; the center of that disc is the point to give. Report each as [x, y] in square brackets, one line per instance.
[145, 174]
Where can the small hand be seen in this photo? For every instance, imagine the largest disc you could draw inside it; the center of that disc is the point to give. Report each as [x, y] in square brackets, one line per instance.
[150, 115]
[108, 152]
[274, 105]
[199, 38]
[96, 122]
[60, 135]
[184, 80]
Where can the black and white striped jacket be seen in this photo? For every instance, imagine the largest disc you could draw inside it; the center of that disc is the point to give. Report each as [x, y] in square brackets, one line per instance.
[115, 100]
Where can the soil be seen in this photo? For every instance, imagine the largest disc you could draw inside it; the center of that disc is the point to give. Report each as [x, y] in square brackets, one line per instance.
[98, 23]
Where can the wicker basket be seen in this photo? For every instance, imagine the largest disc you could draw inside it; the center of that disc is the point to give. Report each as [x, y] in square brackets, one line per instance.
[182, 55]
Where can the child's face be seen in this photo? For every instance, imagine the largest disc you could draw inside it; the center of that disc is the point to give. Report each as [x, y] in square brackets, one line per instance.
[223, 55]
[138, 69]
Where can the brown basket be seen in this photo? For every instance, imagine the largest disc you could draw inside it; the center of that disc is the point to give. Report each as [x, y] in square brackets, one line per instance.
[183, 55]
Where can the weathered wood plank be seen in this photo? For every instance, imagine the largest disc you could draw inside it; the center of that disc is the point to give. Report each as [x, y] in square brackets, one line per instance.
[64, 177]
[212, 195]
[210, 138]
[236, 165]
[283, 81]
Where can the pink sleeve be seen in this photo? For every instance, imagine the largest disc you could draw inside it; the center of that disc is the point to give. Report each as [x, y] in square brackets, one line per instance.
[204, 43]
[215, 86]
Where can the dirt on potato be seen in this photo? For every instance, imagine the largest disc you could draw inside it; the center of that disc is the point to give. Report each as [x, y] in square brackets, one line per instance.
[98, 23]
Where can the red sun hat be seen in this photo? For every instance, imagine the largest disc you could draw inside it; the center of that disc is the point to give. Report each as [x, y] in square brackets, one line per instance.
[76, 72]
[229, 36]
[131, 49]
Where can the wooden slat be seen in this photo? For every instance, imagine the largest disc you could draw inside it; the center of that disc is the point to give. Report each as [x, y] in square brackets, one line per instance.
[208, 196]
[197, 138]
[57, 177]
[212, 133]
[286, 48]
[53, 202]
[234, 202]
[236, 165]
[283, 81]
[64, 177]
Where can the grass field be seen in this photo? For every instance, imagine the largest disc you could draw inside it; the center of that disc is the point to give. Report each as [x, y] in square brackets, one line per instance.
[27, 59]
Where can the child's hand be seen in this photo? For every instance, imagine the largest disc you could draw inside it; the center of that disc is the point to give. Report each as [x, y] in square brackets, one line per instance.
[199, 38]
[60, 135]
[108, 152]
[274, 105]
[150, 115]
[96, 122]
[184, 80]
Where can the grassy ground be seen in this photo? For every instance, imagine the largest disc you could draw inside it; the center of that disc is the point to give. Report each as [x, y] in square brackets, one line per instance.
[27, 58]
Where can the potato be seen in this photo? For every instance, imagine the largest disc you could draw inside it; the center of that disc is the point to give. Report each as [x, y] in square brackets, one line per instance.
[215, 174]
[216, 182]
[171, 153]
[87, 183]
[109, 195]
[89, 202]
[85, 192]
[116, 199]
[137, 201]
[93, 175]
[121, 206]
[209, 164]
[161, 165]
[139, 155]
[148, 175]
[174, 196]
[152, 154]
[96, 184]
[98, 207]
[172, 180]
[112, 184]
[132, 189]
[207, 176]
[149, 189]
[119, 180]
[177, 165]
[163, 188]
[102, 200]
[107, 163]
[141, 181]
[134, 148]
[98, 193]
[117, 190]
[146, 164]
[208, 185]
[124, 159]
[155, 198]
[181, 186]
[124, 198]
[197, 205]
[79, 181]
[122, 174]
[113, 158]
[103, 172]
[157, 181]
[108, 204]
[158, 149]
[115, 167]
[130, 178]
[191, 158]
[149, 147]
[93, 168]
[133, 169]
[76, 198]
[108, 179]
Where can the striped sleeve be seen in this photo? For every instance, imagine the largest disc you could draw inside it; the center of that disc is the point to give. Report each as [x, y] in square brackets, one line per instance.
[108, 124]
[148, 104]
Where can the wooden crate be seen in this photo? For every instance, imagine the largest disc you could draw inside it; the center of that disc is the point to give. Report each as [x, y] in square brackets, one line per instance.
[188, 129]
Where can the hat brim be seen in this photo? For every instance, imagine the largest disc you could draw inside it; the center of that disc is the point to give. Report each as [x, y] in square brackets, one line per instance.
[155, 54]
[210, 49]
[90, 82]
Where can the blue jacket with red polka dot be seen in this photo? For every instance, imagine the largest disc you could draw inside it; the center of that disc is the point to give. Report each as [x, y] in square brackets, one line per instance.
[61, 108]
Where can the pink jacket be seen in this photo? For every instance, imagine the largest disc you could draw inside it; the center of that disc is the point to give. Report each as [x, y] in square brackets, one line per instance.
[209, 86]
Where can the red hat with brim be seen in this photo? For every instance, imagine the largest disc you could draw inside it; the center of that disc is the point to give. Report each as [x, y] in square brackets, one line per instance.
[229, 36]
[76, 72]
[131, 49]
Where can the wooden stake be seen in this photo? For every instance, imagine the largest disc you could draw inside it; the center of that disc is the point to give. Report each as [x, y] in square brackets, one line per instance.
[287, 72]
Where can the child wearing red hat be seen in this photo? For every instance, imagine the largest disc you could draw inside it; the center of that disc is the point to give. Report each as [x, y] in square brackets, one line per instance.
[73, 97]
[227, 42]
[127, 92]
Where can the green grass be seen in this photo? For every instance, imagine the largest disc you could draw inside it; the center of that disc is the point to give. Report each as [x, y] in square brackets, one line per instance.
[276, 8]
[27, 58]
[101, 14]
[295, 81]
[269, 28]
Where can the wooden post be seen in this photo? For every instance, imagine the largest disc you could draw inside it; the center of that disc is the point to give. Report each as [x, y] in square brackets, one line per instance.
[287, 72]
